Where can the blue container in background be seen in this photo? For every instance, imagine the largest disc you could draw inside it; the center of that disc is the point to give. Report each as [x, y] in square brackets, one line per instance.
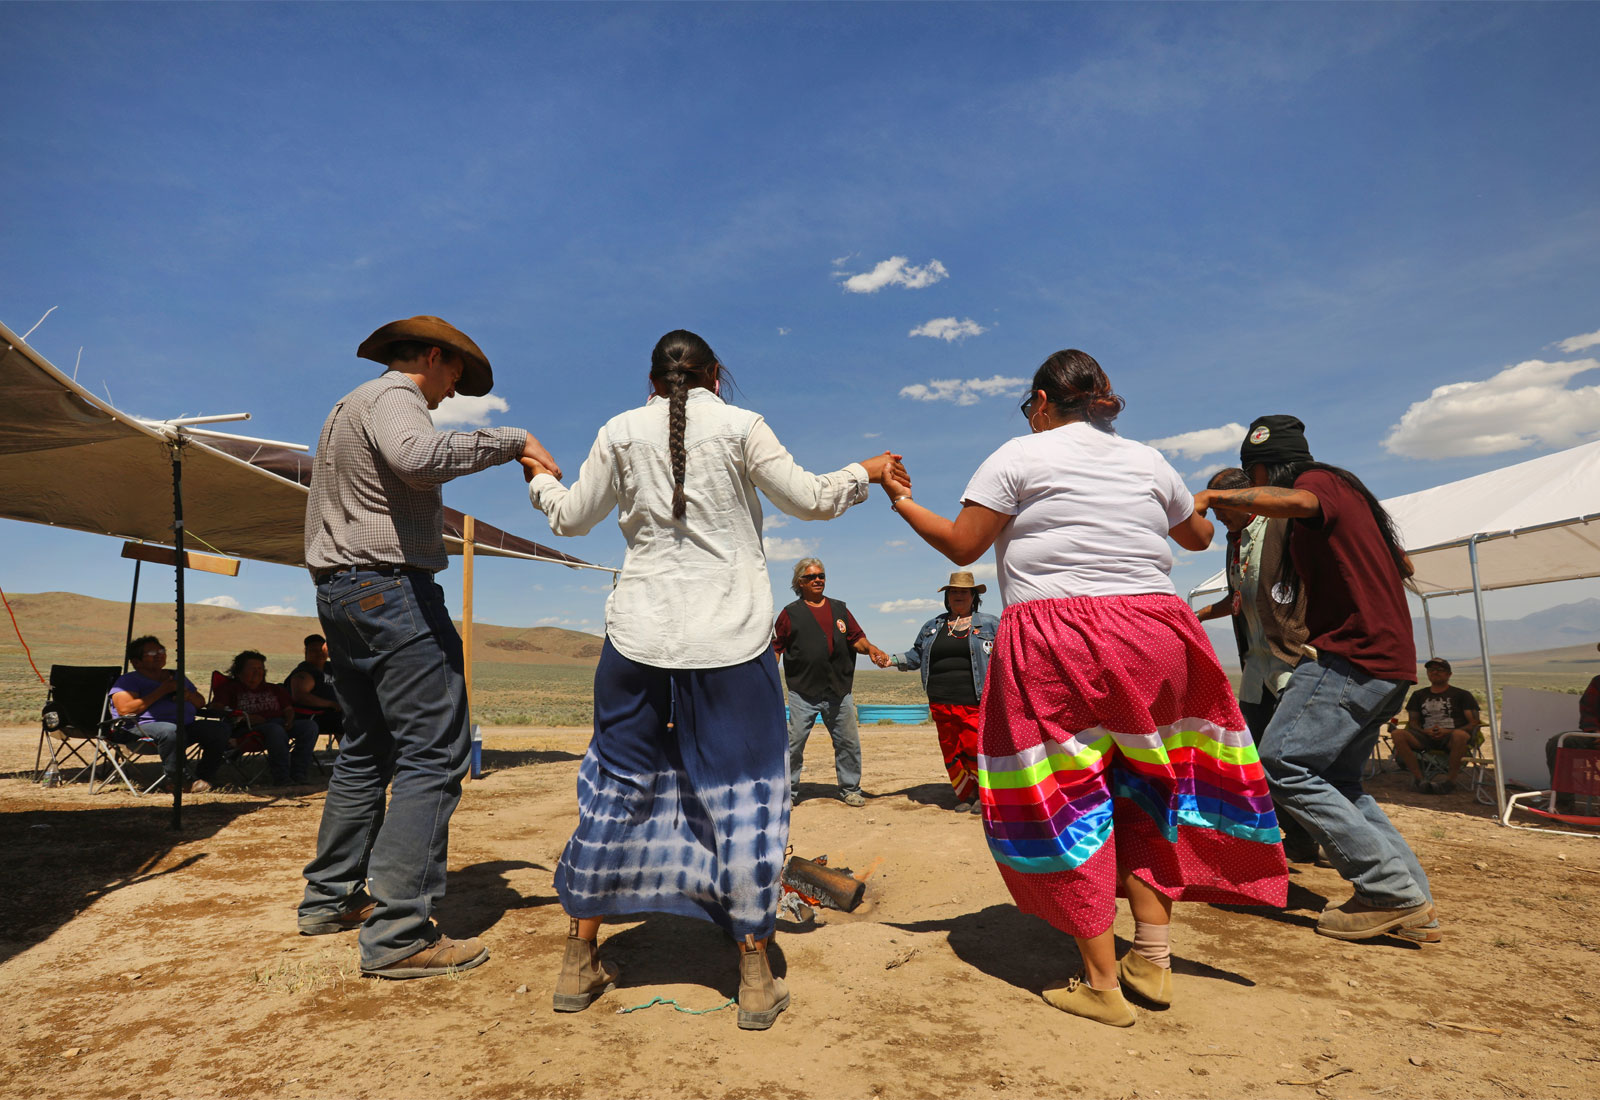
[477, 752]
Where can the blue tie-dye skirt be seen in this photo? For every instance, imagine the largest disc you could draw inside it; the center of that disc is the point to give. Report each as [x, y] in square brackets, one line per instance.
[683, 796]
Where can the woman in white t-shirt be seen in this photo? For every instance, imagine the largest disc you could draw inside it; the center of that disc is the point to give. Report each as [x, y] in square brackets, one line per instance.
[1112, 757]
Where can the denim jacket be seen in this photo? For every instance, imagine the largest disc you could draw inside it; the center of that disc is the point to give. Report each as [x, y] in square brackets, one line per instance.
[984, 628]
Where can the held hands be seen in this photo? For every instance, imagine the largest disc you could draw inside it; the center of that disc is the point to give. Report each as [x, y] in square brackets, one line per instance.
[1202, 501]
[879, 657]
[536, 460]
[885, 465]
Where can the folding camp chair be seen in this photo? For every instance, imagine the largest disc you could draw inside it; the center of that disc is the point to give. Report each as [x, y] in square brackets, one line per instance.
[1577, 776]
[77, 717]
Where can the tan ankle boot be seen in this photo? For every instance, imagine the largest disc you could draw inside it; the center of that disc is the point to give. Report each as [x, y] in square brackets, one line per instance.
[761, 996]
[1077, 996]
[583, 976]
[1145, 978]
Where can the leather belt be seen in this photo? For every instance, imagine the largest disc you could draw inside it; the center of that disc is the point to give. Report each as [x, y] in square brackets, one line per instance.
[322, 575]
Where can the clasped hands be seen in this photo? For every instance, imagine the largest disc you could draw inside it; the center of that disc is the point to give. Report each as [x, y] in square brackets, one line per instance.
[536, 460]
[889, 471]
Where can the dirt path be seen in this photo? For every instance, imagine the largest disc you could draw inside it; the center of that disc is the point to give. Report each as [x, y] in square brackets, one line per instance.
[136, 962]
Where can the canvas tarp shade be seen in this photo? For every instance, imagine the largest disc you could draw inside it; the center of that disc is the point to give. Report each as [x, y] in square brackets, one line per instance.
[69, 459]
[1534, 522]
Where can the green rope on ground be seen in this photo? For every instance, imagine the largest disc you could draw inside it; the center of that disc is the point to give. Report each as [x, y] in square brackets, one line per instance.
[653, 1001]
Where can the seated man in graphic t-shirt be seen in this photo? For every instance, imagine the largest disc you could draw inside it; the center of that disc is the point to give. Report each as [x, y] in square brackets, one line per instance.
[1437, 717]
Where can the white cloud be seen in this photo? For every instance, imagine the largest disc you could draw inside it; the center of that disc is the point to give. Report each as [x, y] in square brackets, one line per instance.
[772, 523]
[895, 271]
[783, 331]
[1580, 343]
[948, 329]
[1205, 472]
[889, 607]
[870, 435]
[1525, 405]
[570, 624]
[983, 570]
[788, 549]
[1195, 445]
[276, 609]
[897, 543]
[221, 601]
[840, 261]
[967, 391]
[471, 411]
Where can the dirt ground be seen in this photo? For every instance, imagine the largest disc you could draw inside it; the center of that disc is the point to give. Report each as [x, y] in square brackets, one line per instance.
[139, 962]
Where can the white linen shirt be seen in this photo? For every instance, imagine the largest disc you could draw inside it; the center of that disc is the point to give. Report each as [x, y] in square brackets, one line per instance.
[693, 593]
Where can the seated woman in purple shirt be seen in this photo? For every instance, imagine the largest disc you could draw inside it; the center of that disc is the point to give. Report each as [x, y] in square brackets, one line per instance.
[147, 692]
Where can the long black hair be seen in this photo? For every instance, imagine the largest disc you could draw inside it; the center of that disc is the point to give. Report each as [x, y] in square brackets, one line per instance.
[1283, 476]
[680, 362]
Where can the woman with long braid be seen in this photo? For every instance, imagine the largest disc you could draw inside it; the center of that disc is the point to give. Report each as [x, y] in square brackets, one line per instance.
[683, 796]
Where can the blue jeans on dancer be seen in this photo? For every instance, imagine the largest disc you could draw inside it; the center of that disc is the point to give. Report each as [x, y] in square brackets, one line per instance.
[1327, 721]
[398, 661]
[839, 715]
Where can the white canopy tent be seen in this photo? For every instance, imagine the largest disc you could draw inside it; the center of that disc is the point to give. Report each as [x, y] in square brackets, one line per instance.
[1531, 523]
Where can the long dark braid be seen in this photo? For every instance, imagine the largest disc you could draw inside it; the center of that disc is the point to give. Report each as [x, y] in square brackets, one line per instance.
[680, 362]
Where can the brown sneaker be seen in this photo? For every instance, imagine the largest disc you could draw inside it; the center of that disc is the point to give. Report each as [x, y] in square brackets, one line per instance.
[1077, 996]
[199, 786]
[1356, 920]
[761, 996]
[443, 956]
[584, 978]
[1147, 980]
[345, 919]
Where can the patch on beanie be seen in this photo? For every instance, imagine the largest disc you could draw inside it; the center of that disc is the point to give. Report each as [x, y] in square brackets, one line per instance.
[1260, 435]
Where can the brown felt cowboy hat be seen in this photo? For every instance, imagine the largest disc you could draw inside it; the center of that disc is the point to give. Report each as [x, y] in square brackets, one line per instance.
[965, 580]
[477, 378]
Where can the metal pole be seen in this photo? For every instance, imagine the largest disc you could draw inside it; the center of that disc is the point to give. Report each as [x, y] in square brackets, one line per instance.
[1427, 620]
[1488, 680]
[183, 691]
[468, 535]
[133, 602]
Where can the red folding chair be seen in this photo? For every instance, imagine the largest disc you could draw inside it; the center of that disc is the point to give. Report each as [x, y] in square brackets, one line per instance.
[1577, 777]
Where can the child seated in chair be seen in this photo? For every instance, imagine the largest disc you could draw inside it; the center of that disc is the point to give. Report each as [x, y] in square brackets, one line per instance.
[268, 710]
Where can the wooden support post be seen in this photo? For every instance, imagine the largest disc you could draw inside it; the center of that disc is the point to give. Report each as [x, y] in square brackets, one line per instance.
[468, 533]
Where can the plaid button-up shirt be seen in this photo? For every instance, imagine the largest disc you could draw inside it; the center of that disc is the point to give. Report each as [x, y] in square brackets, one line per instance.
[375, 497]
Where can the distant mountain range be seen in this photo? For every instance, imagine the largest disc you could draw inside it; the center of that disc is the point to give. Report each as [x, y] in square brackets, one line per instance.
[1564, 626]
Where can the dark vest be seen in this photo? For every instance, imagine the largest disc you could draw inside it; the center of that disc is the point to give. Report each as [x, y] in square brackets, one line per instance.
[808, 667]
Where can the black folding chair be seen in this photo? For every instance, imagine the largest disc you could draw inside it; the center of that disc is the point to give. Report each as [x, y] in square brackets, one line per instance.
[77, 718]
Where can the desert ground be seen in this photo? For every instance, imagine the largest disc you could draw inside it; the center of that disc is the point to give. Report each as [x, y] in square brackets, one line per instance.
[142, 962]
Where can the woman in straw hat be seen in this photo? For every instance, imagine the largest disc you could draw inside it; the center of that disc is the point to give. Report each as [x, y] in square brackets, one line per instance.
[683, 795]
[1112, 757]
[952, 650]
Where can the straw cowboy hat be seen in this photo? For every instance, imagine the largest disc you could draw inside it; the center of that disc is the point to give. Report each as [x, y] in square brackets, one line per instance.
[477, 378]
[965, 580]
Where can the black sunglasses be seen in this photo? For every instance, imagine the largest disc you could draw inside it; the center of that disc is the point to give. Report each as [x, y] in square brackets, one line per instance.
[1027, 404]
[815, 577]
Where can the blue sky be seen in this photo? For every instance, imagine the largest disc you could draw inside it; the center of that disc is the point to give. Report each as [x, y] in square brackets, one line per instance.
[882, 217]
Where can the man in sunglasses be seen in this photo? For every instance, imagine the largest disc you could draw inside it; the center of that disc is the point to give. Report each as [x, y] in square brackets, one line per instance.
[149, 692]
[819, 640]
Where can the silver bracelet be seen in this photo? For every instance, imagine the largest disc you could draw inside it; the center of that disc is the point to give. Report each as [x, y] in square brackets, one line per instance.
[894, 504]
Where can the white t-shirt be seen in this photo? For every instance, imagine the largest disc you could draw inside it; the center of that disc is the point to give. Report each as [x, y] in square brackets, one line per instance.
[1091, 514]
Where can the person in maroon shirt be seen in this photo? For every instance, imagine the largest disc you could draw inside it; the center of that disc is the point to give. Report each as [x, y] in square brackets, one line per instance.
[818, 639]
[1344, 550]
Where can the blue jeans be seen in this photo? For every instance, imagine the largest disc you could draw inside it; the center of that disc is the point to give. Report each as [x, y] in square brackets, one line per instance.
[839, 715]
[1327, 721]
[398, 663]
[209, 733]
[289, 765]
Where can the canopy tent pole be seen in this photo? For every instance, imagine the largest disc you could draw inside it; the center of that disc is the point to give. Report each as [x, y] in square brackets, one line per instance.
[1427, 621]
[133, 602]
[468, 532]
[183, 689]
[1488, 679]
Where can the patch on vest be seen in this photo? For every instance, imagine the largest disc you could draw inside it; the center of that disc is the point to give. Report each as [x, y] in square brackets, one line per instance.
[1282, 593]
[840, 624]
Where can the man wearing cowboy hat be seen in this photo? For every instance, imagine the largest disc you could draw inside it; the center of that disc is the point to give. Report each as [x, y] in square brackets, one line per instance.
[374, 539]
[952, 650]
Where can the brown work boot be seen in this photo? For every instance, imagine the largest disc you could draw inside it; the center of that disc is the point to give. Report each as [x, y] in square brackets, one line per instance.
[761, 996]
[1103, 1006]
[351, 915]
[1356, 920]
[584, 978]
[443, 956]
[1145, 978]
